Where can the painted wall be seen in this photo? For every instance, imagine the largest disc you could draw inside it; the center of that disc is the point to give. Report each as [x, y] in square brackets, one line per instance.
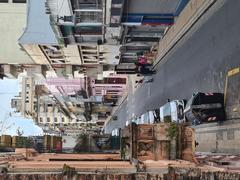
[13, 21]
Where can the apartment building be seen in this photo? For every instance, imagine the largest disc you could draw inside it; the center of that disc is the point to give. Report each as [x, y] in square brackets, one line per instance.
[50, 113]
[112, 86]
[13, 22]
[143, 24]
[13, 59]
[26, 101]
[70, 36]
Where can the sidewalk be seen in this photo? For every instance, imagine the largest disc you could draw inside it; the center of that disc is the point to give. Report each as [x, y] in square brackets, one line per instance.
[187, 18]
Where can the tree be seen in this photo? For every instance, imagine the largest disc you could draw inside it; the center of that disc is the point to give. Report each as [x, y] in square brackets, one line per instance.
[82, 143]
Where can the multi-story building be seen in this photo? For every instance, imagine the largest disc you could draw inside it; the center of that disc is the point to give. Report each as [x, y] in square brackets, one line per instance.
[40, 41]
[83, 23]
[50, 114]
[71, 40]
[143, 24]
[113, 86]
[64, 87]
[36, 102]
[12, 56]
[13, 22]
[26, 101]
[75, 94]
[110, 88]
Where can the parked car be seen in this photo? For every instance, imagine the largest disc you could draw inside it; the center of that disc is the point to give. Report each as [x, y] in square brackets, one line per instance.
[150, 117]
[205, 107]
[173, 111]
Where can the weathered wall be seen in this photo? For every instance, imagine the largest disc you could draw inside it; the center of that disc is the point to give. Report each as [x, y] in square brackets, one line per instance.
[174, 174]
[219, 138]
[13, 21]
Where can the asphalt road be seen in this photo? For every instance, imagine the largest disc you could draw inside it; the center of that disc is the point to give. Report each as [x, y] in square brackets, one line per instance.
[198, 62]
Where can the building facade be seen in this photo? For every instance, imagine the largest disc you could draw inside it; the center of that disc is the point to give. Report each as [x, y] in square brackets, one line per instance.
[71, 40]
[13, 21]
[143, 25]
[109, 86]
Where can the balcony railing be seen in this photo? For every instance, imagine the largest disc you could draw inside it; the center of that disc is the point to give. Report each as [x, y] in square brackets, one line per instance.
[89, 17]
[88, 6]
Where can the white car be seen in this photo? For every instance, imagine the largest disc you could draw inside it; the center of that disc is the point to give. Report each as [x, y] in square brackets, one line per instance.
[173, 111]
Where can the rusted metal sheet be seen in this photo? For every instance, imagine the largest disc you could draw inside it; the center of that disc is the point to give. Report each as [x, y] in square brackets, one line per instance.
[161, 141]
[146, 176]
[145, 131]
[160, 132]
[106, 176]
[100, 176]
[166, 141]
[173, 174]
[145, 150]
[128, 148]
[162, 150]
[188, 144]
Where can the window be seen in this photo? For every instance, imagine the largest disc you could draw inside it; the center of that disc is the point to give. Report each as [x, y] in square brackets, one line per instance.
[173, 109]
[55, 119]
[48, 119]
[63, 119]
[167, 112]
[19, 1]
[41, 120]
[3, 1]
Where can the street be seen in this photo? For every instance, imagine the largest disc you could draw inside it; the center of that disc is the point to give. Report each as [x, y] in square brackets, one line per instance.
[197, 63]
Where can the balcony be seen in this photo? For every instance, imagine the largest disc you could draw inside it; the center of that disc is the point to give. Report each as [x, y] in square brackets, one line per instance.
[89, 18]
[86, 4]
[87, 39]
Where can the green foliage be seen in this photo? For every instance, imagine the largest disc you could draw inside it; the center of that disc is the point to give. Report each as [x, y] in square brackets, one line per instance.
[167, 147]
[24, 142]
[82, 143]
[172, 130]
[68, 171]
[167, 119]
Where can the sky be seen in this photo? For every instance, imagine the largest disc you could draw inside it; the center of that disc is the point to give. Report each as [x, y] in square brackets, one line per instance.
[8, 89]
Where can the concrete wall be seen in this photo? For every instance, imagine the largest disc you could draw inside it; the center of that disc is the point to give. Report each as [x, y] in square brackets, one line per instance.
[13, 22]
[69, 142]
[223, 138]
